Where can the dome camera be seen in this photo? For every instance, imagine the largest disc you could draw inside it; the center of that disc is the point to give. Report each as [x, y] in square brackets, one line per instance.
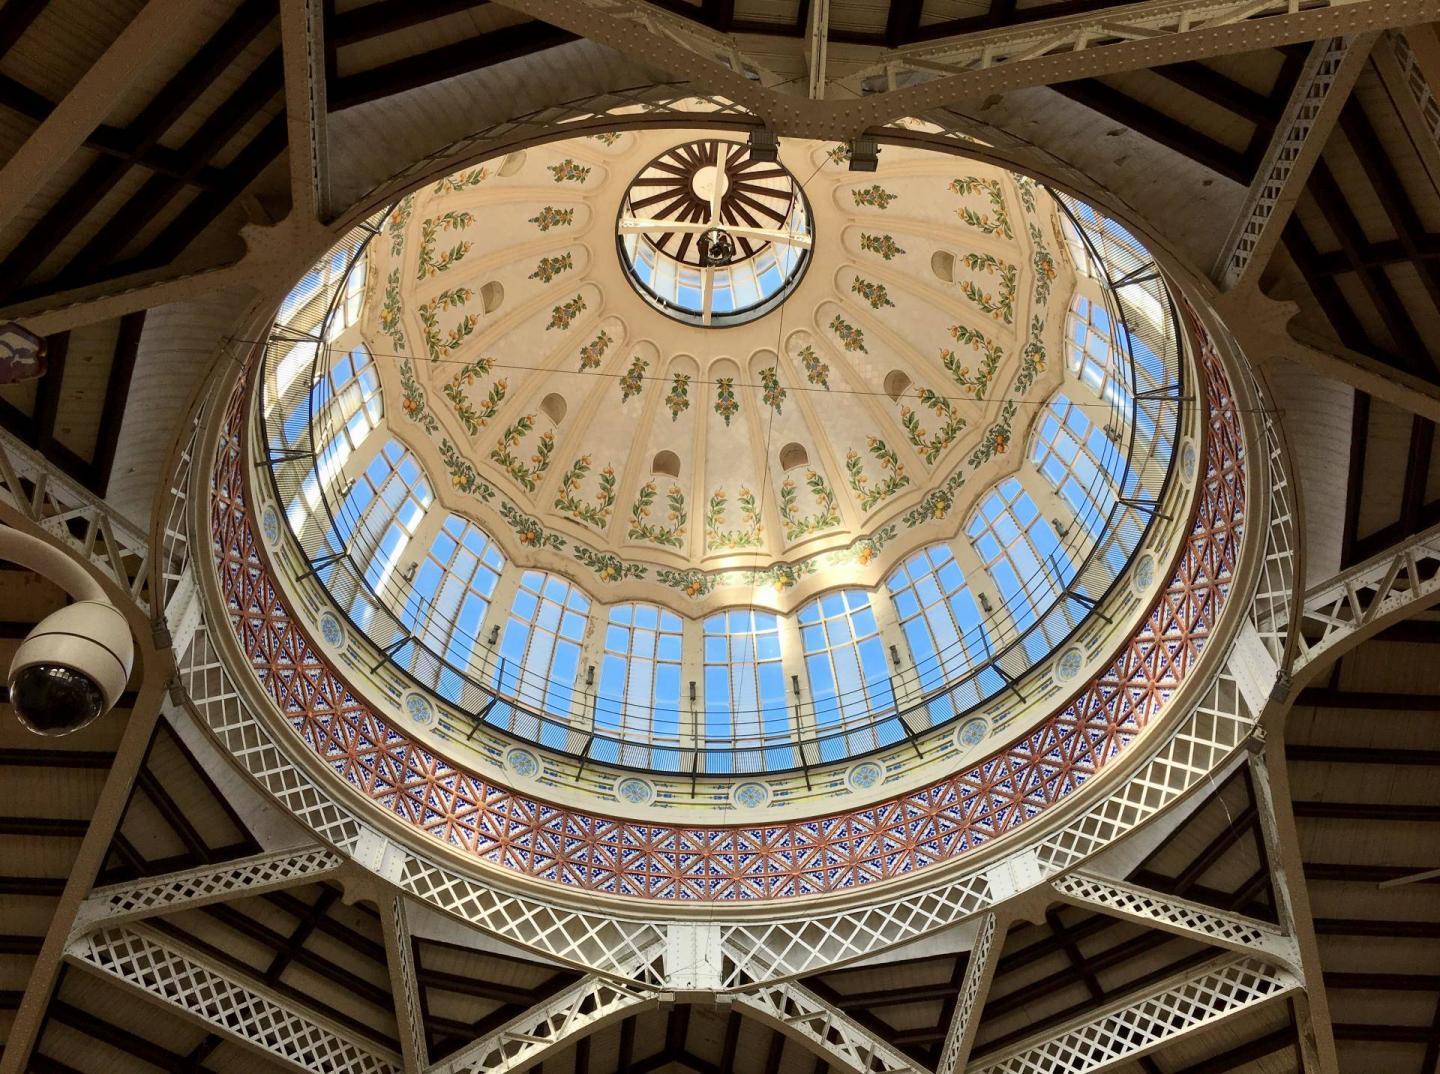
[71, 668]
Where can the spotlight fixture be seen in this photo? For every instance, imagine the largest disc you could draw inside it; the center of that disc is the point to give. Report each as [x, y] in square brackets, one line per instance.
[864, 154]
[764, 146]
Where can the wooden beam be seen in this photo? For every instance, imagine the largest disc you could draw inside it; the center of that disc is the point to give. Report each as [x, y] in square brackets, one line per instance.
[447, 61]
[15, 18]
[128, 59]
[1355, 479]
[389, 16]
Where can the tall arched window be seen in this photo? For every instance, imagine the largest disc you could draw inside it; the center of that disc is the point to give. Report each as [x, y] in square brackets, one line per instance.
[639, 694]
[1079, 461]
[744, 681]
[938, 614]
[540, 649]
[347, 402]
[1090, 351]
[380, 512]
[451, 593]
[845, 663]
[1022, 553]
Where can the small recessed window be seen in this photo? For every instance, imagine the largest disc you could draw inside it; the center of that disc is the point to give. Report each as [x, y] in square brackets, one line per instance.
[793, 455]
[667, 463]
[553, 407]
[942, 263]
[896, 384]
[513, 163]
[491, 295]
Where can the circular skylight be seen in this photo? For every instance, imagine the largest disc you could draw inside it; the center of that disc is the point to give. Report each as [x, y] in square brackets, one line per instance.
[712, 235]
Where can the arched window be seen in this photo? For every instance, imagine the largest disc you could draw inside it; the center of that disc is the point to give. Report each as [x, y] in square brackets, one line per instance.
[744, 681]
[1020, 549]
[379, 514]
[1079, 461]
[639, 694]
[540, 649]
[939, 616]
[1090, 353]
[451, 593]
[667, 463]
[845, 662]
[793, 455]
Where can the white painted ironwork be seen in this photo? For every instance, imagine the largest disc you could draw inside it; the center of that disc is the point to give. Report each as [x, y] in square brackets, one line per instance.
[1417, 84]
[1117, 898]
[404, 987]
[75, 518]
[245, 1011]
[965, 1019]
[826, 1029]
[1324, 82]
[585, 1007]
[1340, 613]
[207, 884]
[1174, 1008]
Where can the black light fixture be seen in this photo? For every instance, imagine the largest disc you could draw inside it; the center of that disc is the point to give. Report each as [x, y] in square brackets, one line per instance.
[717, 248]
[864, 154]
[764, 145]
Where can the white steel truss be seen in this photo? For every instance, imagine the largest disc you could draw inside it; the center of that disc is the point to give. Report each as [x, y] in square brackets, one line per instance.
[585, 1007]
[1117, 898]
[1176, 1007]
[965, 1019]
[208, 884]
[75, 517]
[171, 974]
[826, 1029]
[1337, 615]
[1325, 82]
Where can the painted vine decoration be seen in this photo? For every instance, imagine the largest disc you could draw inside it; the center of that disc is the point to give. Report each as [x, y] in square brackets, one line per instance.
[462, 474]
[726, 404]
[551, 217]
[990, 352]
[607, 138]
[568, 499]
[592, 352]
[838, 154]
[527, 474]
[932, 447]
[1002, 305]
[770, 391]
[391, 310]
[436, 345]
[569, 171]
[890, 465]
[852, 338]
[550, 267]
[874, 196]
[399, 219]
[472, 417]
[412, 398]
[453, 184]
[996, 440]
[528, 531]
[1025, 187]
[749, 535]
[1044, 265]
[427, 262]
[816, 371]
[672, 533]
[1032, 356]
[937, 504]
[999, 223]
[633, 381]
[693, 583]
[884, 245]
[607, 566]
[563, 315]
[677, 400]
[797, 525]
[873, 293]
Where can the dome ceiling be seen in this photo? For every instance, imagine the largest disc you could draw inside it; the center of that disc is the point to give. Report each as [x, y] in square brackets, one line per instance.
[549, 398]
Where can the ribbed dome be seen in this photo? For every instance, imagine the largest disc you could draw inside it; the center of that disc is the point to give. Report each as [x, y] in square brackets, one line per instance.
[884, 393]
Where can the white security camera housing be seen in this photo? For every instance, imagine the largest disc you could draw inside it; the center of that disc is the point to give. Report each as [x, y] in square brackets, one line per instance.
[71, 668]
